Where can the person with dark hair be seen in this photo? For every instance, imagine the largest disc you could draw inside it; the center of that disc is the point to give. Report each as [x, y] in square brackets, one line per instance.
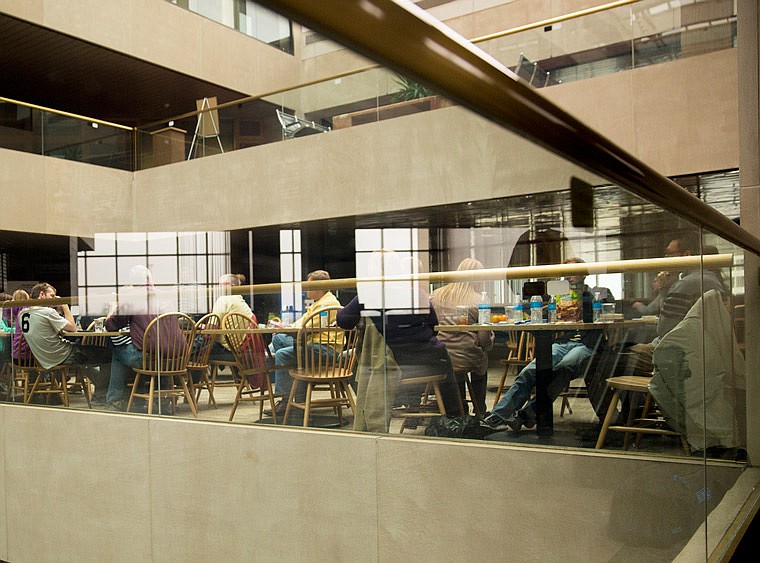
[689, 287]
[43, 329]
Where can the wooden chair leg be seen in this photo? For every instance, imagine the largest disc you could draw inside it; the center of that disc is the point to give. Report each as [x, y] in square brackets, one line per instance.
[188, 396]
[307, 405]
[151, 389]
[290, 402]
[611, 411]
[502, 381]
[238, 394]
[271, 402]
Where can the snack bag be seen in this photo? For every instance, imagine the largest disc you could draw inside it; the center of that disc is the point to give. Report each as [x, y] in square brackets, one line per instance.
[570, 306]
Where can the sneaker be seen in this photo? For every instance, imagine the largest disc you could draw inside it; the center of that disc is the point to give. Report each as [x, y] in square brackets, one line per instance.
[494, 423]
[515, 422]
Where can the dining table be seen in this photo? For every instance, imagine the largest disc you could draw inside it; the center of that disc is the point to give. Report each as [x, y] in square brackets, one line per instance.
[545, 334]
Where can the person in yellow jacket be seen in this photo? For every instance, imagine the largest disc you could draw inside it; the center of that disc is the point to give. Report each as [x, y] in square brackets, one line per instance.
[283, 345]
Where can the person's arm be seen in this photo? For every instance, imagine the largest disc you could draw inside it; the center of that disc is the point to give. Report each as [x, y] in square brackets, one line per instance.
[350, 315]
[65, 312]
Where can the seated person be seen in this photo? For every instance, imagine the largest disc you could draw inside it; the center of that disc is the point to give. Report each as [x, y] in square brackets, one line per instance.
[227, 304]
[137, 306]
[42, 328]
[569, 352]
[678, 299]
[468, 350]
[283, 345]
[660, 286]
[416, 352]
[20, 349]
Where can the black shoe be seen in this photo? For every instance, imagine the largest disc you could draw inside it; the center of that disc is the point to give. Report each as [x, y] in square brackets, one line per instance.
[279, 408]
[527, 421]
[494, 423]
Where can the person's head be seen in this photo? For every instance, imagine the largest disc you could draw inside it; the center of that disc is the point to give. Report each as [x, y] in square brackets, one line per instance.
[577, 279]
[5, 296]
[230, 280]
[240, 278]
[20, 294]
[685, 244]
[43, 290]
[317, 275]
[464, 292]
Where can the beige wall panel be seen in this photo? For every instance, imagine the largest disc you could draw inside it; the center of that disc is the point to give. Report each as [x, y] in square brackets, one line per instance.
[105, 23]
[235, 493]
[63, 197]
[551, 501]
[169, 36]
[164, 34]
[679, 117]
[101, 196]
[604, 103]
[31, 10]
[686, 114]
[86, 486]
[77, 486]
[444, 156]
[23, 185]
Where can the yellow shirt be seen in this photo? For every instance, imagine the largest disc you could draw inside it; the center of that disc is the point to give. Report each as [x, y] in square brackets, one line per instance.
[230, 304]
[327, 300]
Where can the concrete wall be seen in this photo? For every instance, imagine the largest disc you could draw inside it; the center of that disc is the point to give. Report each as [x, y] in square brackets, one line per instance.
[82, 486]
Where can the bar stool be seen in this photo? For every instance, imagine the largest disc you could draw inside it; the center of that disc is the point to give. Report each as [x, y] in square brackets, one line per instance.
[432, 385]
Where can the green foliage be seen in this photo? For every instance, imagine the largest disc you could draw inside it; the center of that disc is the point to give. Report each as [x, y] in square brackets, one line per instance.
[410, 90]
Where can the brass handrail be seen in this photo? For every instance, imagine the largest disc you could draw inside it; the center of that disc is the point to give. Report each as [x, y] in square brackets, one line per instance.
[678, 263]
[554, 20]
[67, 114]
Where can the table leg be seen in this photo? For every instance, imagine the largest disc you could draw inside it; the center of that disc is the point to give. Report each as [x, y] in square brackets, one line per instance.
[544, 375]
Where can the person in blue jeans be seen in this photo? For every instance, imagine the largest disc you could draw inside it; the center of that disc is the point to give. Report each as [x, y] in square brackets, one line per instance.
[283, 346]
[569, 355]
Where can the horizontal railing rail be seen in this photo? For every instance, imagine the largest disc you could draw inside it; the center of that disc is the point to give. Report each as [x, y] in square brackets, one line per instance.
[679, 263]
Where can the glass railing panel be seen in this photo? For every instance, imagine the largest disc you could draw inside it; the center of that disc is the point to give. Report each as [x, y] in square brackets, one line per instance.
[64, 136]
[639, 34]
[347, 101]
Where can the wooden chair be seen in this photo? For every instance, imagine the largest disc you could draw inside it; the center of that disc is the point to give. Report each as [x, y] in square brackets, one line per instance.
[214, 382]
[520, 352]
[168, 362]
[643, 424]
[415, 413]
[253, 361]
[45, 382]
[316, 368]
[199, 357]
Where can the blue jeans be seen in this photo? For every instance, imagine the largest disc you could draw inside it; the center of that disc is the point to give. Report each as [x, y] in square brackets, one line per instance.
[123, 359]
[567, 360]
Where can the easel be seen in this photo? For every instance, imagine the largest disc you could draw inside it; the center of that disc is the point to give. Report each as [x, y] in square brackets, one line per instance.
[207, 127]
